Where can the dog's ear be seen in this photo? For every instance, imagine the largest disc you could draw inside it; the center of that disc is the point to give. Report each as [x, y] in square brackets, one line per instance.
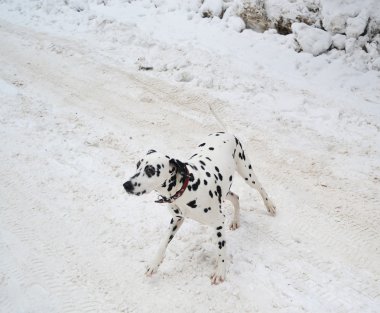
[179, 166]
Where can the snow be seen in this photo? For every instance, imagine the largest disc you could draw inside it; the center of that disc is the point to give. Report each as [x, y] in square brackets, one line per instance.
[311, 39]
[78, 108]
[211, 8]
[356, 25]
[339, 41]
[236, 23]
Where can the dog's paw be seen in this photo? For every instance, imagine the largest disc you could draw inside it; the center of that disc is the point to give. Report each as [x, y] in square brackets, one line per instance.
[217, 278]
[219, 275]
[234, 225]
[151, 270]
[271, 208]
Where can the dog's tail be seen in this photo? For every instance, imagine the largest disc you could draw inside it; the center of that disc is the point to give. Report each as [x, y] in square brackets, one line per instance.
[245, 170]
[220, 122]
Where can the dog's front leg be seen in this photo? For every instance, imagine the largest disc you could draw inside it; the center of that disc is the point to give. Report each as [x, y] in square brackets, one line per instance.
[175, 224]
[220, 273]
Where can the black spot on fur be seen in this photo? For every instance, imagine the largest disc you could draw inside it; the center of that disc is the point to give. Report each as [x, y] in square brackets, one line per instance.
[176, 211]
[221, 244]
[203, 163]
[193, 167]
[217, 169]
[202, 144]
[220, 176]
[207, 209]
[242, 155]
[210, 193]
[136, 175]
[208, 174]
[219, 227]
[208, 158]
[219, 191]
[205, 182]
[193, 155]
[231, 178]
[174, 228]
[172, 182]
[172, 221]
[250, 166]
[192, 204]
[170, 238]
[211, 148]
[219, 234]
[196, 185]
[151, 151]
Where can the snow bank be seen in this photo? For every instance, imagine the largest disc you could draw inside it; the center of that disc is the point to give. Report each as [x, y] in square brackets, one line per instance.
[353, 19]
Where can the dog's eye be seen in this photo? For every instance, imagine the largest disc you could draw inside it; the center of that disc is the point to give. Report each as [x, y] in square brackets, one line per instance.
[149, 170]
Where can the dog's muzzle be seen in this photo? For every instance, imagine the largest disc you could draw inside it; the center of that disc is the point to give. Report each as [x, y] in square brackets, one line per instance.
[128, 186]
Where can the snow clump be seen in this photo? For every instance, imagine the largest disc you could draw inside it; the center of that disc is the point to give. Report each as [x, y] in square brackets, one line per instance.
[211, 8]
[312, 40]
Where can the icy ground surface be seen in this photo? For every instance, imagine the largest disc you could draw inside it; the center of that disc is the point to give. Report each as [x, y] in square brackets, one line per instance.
[76, 114]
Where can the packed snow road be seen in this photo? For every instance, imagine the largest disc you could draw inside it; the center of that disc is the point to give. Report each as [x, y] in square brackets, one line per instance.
[72, 125]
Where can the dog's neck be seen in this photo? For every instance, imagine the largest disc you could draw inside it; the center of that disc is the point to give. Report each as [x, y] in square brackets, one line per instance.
[171, 185]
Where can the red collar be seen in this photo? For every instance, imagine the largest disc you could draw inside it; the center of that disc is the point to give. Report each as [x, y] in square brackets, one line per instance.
[178, 193]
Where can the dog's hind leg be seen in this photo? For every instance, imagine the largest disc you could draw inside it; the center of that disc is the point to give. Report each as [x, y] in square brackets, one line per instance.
[234, 198]
[175, 224]
[245, 170]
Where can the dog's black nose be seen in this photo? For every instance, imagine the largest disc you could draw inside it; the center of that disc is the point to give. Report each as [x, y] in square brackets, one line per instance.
[128, 186]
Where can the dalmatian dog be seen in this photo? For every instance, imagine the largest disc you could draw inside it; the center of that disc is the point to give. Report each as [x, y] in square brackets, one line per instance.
[196, 189]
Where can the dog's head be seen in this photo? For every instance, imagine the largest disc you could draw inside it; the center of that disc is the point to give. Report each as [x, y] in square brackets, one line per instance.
[152, 171]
